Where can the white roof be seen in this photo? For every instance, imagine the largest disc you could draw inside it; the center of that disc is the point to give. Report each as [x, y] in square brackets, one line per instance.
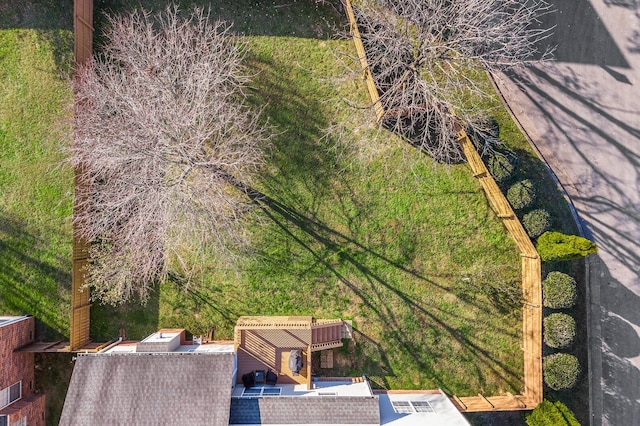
[443, 412]
[198, 349]
[6, 320]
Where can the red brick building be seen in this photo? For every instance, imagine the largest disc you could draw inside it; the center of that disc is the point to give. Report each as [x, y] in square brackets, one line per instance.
[19, 405]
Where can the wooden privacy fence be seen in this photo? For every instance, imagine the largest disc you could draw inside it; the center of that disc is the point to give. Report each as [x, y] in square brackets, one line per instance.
[531, 278]
[80, 303]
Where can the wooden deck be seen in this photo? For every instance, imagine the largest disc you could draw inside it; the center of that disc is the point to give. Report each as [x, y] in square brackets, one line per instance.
[277, 361]
[264, 343]
[531, 279]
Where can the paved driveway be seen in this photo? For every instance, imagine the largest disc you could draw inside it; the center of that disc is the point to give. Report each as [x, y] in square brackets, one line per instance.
[583, 114]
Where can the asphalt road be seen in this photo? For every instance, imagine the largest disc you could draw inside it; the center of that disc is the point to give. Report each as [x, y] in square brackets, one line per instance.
[582, 112]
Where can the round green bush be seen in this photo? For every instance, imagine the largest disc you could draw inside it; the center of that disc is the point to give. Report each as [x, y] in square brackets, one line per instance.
[559, 291]
[521, 194]
[501, 167]
[560, 371]
[536, 222]
[559, 331]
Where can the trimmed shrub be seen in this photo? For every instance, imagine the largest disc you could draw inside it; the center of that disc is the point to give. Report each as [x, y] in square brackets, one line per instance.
[501, 167]
[521, 194]
[560, 371]
[549, 413]
[536, 222]
[559, 331]
[556, 246]
[559, 291]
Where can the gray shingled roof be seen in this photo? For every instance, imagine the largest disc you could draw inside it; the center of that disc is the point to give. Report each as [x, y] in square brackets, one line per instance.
[305, 410]
[150, 389]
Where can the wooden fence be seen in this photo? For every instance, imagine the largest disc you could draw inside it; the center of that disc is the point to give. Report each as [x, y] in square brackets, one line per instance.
[80, 303]
[83, 30]
[531, 278]
[371, 86]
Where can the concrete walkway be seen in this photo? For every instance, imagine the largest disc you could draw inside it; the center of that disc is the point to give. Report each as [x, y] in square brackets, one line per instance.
[583, 114]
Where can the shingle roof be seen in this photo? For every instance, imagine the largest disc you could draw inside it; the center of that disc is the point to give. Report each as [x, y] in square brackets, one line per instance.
[305, 410]
[150, 389]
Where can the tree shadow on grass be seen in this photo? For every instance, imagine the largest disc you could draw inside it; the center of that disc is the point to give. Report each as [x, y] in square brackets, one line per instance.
[37, 14]
[302, 176]
[137, 320]
[403, 315]
[220, 310]
[53, 23]
[292, 18]
[297, 162]
[34, 277]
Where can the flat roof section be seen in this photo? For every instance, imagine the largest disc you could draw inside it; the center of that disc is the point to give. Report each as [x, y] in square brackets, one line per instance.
[420, 408]
[319, 388]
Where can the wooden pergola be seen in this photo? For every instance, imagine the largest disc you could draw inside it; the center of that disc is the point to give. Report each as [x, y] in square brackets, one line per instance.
[264, 343]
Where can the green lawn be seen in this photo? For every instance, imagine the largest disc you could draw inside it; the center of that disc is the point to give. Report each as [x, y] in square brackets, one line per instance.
[36, 45]
[360, 226]
[36, 190]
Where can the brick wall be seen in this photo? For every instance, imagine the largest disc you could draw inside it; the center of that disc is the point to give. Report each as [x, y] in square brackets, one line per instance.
[31, 407]
[17, 366]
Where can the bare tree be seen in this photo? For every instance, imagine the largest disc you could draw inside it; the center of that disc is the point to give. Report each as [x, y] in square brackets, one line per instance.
[162, 133]
[423, 55]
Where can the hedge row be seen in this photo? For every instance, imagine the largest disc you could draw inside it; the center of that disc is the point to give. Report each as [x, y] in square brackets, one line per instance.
[560, 370]
[522, 194]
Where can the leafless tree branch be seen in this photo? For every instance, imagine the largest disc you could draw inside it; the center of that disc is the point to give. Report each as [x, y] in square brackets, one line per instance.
[160, 126]
[423, 54]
